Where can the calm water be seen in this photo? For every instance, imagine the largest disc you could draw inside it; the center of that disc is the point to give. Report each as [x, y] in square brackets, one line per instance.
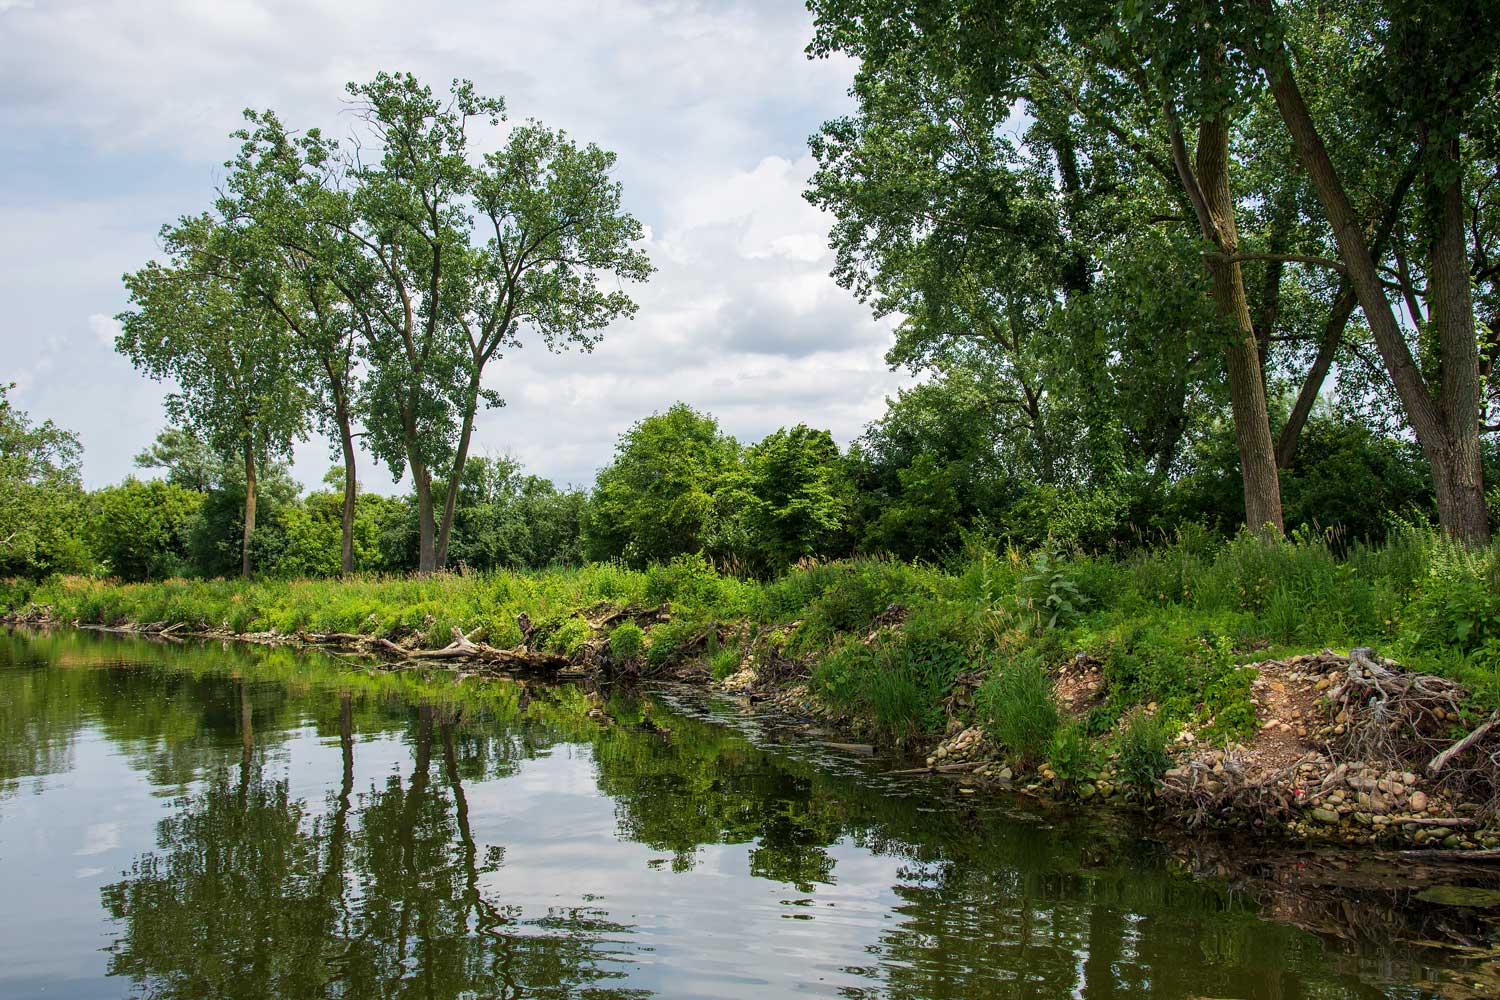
[207, 822]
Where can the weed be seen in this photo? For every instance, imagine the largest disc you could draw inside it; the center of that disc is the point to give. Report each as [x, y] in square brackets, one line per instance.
[1070, 754]
[1017, 707]
[1143, 755]
[626, 642]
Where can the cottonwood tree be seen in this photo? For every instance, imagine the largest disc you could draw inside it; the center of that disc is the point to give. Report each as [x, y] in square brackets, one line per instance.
[286, 223]
[1164, 100]
[464, 255]
[1430, 71]
[237, 380]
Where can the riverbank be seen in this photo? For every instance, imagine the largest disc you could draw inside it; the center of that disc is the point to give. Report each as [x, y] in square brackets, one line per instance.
[1197, 681]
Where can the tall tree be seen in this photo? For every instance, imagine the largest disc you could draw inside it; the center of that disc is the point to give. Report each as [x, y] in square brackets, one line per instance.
[237, 381]
[286, 221]
[1430, 70]
[1167, 100]
[465, 254]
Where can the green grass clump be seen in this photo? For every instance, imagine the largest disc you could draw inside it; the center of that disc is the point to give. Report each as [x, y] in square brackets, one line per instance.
[1019, 712]
[626, 642]
[1142, 749]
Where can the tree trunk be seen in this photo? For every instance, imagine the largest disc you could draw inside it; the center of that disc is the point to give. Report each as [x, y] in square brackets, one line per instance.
[456, 475]
[1247, 389]
[1312, 383]
[351, 489]
[1449, 438]
[1450, 307]
[249, 511]
[422, 482]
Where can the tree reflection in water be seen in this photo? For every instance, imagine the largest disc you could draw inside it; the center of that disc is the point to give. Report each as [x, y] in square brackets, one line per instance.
[380, 885]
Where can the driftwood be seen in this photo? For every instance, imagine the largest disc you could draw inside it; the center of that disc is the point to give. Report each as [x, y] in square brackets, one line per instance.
[1486, 856]
[1442, 759]
[968, 765]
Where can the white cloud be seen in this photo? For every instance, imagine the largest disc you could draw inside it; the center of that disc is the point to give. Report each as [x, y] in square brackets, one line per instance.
[105, 329]
[116, 120]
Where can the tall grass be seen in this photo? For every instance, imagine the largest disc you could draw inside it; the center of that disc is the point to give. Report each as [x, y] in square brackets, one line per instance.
[884, 640]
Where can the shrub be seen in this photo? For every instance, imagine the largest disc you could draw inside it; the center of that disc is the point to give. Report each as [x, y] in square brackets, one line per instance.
[670, 639]
[570, 636]
[1142, 752]
[688, 579]
[1017, 707]
[626, 642]
[1050, 591]
[1070, 754]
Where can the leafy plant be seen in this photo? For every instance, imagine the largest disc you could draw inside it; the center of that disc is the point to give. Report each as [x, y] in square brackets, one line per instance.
[626, 642]
[1070, 754]
[1050, 591]
[1143, 755]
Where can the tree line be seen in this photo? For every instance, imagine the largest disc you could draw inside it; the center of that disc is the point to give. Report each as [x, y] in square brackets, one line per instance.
[931, 475]
[364, 289]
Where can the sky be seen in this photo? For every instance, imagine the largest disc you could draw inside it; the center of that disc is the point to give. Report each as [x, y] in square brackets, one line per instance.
[117, 115]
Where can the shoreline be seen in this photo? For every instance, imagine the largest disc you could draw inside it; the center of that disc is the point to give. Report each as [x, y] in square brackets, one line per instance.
[1298, 781]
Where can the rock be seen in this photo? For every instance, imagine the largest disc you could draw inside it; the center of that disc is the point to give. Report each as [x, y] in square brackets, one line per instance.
[1086, 791]
[1418, 802]
[1453, 841]
[1325, 815]
[1005, 774]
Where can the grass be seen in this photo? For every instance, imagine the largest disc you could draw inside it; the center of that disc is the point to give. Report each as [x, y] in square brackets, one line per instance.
[884, 640]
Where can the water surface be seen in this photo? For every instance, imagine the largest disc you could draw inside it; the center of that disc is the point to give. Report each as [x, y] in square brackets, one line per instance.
[204, 821]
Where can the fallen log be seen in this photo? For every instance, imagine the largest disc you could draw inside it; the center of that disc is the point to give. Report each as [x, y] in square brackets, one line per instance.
[1485, 856]
[970, 765]
[1442, 759]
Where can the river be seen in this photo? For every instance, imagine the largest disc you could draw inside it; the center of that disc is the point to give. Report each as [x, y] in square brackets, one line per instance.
[198, 821]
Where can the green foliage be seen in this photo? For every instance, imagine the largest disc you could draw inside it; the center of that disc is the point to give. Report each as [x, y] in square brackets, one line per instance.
[41, 498]
[671, 640]
[142, 530]
[1142, 750]
[626, 642]
[1018, 709]
[689, 579]
[1050, 591]
[723, 661]
[1071, 755]
[569, 637]
[802, 497]
[661, 497]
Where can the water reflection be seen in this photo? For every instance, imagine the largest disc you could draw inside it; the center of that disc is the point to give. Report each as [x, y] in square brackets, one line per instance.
[286, 828]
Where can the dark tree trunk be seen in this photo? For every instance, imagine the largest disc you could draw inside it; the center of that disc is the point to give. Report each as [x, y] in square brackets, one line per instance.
[1447, 428]
[1247, 389]
[426, 549]
[456, 475]
[351, 489]
[1450, 304]
[249, 511]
